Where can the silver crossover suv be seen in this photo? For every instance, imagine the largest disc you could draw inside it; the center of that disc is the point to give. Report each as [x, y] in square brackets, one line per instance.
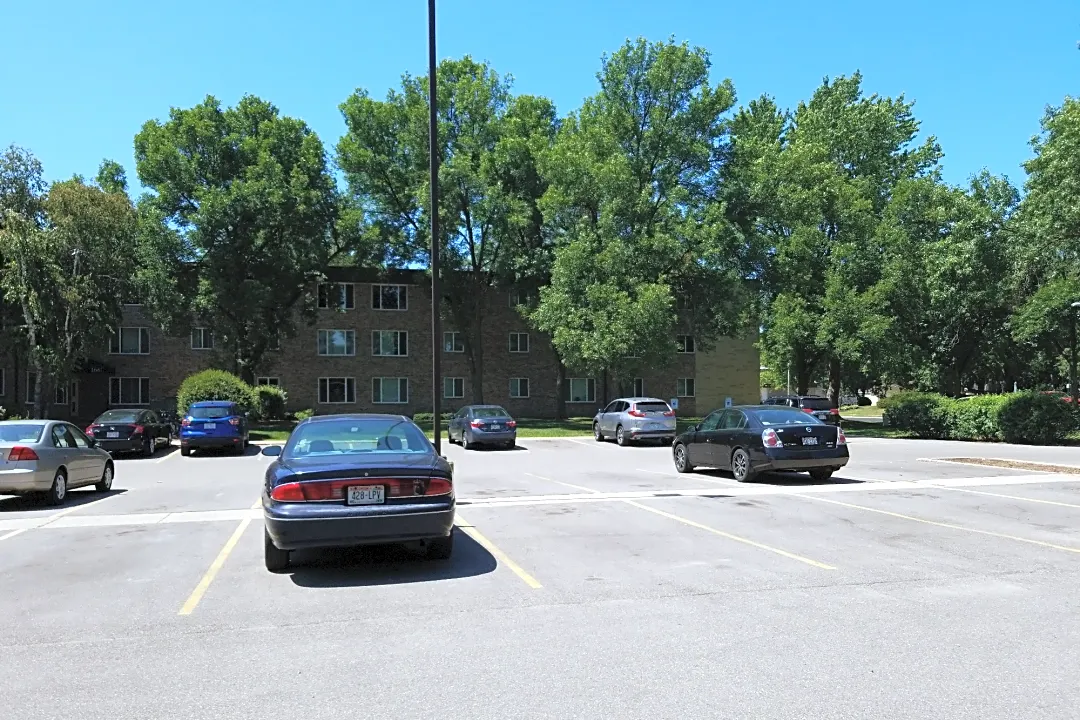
[636, 418]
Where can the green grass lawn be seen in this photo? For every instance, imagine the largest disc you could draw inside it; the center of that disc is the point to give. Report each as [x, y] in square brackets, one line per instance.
[856, 429]
[852, 411]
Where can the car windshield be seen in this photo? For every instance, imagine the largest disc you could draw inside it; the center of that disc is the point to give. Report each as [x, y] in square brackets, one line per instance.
[814, 403]
[119, 416]
[210, 413]
[652, 407]
[350, 436]
[21, 433]
[490, 412]
[786, 416]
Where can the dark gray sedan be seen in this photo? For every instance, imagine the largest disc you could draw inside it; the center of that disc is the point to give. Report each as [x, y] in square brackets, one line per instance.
[475, 425]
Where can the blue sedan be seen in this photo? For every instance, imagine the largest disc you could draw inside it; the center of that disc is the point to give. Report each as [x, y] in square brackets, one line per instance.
[348, 480]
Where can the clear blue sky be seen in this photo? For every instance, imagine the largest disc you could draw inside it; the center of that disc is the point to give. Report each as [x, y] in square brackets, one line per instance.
[78, 79]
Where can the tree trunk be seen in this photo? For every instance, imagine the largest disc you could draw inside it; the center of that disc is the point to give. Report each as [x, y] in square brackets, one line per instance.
[834, 381]
[560, 394]
[38, 411]
[802, 379]
[604, 387]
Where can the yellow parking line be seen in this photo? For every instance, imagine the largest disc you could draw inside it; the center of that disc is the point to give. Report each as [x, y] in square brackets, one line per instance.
[998, 495]
[215, 567]
[950, 526]
[729, 536]
[499, 555]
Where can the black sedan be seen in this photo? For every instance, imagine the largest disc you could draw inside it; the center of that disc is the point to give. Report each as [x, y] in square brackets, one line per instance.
[130, 431]
[752, 439]
[476, 425]
[348, 480]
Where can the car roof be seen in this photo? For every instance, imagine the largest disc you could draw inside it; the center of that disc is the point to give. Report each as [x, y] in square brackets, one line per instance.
[486, 405]
[213, 403]
[355, 416]
[638, 399]
[28, 422]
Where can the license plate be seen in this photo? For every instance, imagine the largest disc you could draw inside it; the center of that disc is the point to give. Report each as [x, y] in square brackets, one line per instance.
[112, 435]
[654, 426]
[209, 426]
[496, 427]
[809, 441]
[365, 495]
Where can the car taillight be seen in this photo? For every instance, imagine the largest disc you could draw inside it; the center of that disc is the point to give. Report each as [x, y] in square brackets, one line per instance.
[137, 430]
[635, 413]
[186, 422]
[512, 424]
[477, 424]
[669, 413]
[234, 421]
[808, 410]
[326, 490]
[90, 430]
[841, 438]
[834, 411]
[771, 439]
[22, 454]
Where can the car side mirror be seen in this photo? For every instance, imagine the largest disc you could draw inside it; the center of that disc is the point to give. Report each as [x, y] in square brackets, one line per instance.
[272, 451]
[697, 427]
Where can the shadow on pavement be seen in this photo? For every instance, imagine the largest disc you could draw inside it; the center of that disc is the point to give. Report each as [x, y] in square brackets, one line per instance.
[250, 451]
[388, 565]
[163, 452]
[782, 478]
[75, 498]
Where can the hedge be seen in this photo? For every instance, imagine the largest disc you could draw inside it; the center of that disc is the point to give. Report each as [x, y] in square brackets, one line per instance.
[270, 403]
[1028, 417]
[422, 418]
[215, 385]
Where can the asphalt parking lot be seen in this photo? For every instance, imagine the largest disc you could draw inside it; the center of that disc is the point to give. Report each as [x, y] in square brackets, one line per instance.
[588, 581]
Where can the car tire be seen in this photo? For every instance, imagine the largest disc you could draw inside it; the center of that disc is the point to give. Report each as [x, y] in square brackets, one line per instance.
[620, 437]
[58, 492]
[147, 447]
[105, 484]
[821, 476]
[186, 452]
[682, 459]
[598, 436]
[441, 548]
[466, 442]
[667, 442]
[741, 467]
[277, 560]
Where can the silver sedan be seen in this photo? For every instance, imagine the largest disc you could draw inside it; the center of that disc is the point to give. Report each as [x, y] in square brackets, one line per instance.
[50, 457]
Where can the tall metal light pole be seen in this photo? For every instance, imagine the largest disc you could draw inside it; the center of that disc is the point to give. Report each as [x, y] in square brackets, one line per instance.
[1073, 390]
[433, 151]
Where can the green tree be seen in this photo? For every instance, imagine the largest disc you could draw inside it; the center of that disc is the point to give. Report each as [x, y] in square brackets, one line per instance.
[489, 187]
[633, 175]
[242, 218]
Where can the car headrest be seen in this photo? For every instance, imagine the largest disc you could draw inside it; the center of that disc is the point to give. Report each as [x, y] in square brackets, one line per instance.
[321, 446]
[390, 442]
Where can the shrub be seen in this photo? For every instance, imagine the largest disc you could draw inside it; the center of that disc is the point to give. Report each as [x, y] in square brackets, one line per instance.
[304, 415]
[863, 401]
[1035, 418]
[215, 385]
[270, 402]
[426, 418]
[975, 418]
[925, 414]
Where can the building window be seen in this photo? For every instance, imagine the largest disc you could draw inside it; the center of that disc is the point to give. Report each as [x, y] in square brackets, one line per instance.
[453, 387]
[274, 344]
[3, 382]
[685, 344]
[519, 387]
[130, 341]
[390, 297]
[453, 342]
[389, 343]
[519, 342]
[682, 303]
[268, 381]
[60, 395]
[129, 391]
[337, 343]
[336, 296]
[202, 339]
[684, 387]
[639, 387]
[580, 390]
[337, 391]
[520, 297]
[389, 391]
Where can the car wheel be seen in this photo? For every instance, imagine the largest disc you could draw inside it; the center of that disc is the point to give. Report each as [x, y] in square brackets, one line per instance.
[185, 451]
[277, 560]
[58, 492]
[441, 548]
[741, 467]
[821, 475]
[466, 442]
[105, 484]
[147, 447]
[682, 459]
[666, 442]
[597, 435]
[239, 448]
[620, 437]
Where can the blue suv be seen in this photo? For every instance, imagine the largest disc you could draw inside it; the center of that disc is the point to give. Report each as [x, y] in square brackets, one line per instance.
[214, 424]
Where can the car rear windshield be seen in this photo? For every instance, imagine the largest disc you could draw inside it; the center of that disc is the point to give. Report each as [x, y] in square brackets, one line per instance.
[816, 403]
[15, 433]
[119, 416]
[785, 416]
[652, 407]
[210, 413]
[351, 436]
[492, 412]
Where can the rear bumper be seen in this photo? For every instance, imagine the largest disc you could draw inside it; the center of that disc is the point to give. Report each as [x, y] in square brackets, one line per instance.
[645, 434]
[801, 459]
[485, 438]
[129, 445]
[206, 441]
[17, 482]
[344, 526]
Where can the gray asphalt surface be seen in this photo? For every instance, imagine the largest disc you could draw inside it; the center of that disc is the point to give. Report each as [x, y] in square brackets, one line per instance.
[588, 581]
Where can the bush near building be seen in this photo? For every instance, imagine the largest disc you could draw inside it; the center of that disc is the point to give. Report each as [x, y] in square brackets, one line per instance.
[216, 385]
[270, 403]
[1028, 417]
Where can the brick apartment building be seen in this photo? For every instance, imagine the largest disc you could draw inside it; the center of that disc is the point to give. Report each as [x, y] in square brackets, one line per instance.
[369, 350]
